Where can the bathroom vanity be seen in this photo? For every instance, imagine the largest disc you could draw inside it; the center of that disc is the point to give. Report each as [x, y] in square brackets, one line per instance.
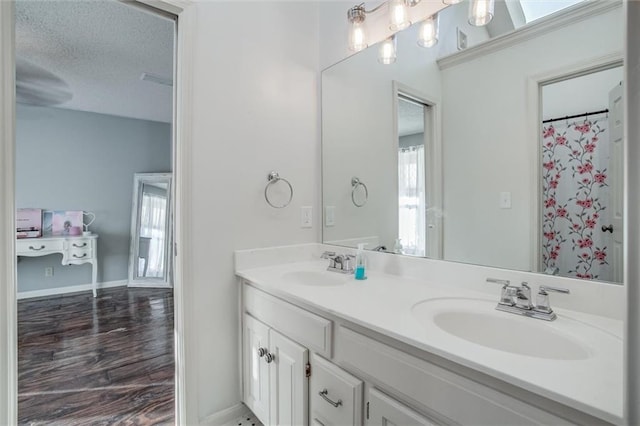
[321, 348]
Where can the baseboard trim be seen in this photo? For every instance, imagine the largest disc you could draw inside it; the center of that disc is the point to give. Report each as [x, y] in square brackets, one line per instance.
[225, 416]
[70, 289]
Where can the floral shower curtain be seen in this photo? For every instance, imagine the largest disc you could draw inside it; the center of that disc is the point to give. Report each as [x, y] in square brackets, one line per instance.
[575, 197]
[412, 200]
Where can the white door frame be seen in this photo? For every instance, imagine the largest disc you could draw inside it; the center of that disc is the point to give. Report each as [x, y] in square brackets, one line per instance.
[185, 402]
[534, 136]
[433, 152]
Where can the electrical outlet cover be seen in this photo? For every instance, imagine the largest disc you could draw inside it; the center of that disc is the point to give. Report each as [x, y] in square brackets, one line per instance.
[462, 39]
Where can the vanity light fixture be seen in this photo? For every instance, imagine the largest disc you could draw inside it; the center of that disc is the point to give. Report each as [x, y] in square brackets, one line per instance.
[387, 52]
[398, 15]
[428, 33]
[481, 12]
[357, 35]
[450, 2]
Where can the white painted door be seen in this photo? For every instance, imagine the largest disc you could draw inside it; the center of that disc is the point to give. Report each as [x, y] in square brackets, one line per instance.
[255, 368]
[616, 173]
[289, 384]
[386, 411]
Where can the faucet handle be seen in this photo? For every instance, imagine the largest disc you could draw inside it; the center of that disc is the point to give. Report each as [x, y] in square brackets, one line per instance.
[544, 288]
[542, 300]
[504, 283]
[327, 254]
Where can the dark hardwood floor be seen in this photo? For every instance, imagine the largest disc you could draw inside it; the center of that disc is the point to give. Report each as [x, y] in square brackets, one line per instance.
[103, 361]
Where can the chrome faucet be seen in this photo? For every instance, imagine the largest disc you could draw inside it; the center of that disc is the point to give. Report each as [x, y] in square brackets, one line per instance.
[342, 263]
[517, 300]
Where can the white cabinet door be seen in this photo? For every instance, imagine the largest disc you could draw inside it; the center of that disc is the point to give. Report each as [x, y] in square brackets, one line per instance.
[288, 382]
[386, 411]
[256, 370]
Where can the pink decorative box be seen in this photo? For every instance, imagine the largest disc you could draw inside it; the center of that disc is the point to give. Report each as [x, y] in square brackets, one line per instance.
[29, 223]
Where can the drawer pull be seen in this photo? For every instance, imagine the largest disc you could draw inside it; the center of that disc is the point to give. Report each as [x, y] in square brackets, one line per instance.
[80, 257]
[79, 246]
[36, 249]
[323, 393]
[262, 352]
[269, 358]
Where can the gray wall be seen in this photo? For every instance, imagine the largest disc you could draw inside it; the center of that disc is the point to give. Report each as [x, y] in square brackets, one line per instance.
[411, 140]
[72, 160]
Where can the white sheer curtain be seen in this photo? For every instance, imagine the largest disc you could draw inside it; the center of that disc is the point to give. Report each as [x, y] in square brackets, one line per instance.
[412, 200]
[153, 219]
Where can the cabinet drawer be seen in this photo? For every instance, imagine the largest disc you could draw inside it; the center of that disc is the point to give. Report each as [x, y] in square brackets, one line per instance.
[80, 253]
[331, 385]
[79, 244]
[35, 246]
[440, 391]
[384, 410]
[310, 330]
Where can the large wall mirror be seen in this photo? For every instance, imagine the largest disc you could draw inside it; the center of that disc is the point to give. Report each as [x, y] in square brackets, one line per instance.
[506, 154]
[151, 231]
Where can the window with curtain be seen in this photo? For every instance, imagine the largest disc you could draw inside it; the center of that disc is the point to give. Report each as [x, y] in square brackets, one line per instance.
[153, 220]
[412, 200]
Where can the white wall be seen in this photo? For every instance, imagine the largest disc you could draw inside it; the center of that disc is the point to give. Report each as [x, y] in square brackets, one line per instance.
[578, 95]
[485, 120]
[74, 160]
[255, 110]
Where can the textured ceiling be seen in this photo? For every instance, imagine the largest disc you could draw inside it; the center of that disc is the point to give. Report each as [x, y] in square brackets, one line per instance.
[100, 48]
[410, 118]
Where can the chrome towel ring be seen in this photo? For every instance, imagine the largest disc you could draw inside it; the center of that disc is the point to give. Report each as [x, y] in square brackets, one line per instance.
[272, 179]
[355, 183]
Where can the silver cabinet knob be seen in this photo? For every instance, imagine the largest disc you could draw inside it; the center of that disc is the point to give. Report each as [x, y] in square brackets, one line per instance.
[269, 358]
[262, 352]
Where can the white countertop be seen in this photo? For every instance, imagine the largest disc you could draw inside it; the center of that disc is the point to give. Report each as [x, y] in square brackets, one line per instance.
[384, 304]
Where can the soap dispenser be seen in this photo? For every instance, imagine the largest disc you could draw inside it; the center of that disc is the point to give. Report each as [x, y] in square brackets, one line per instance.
[360, 273]
[397, 247]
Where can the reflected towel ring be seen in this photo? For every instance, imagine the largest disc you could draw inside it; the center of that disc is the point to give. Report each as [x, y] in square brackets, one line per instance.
[355, 183]
[274, 178]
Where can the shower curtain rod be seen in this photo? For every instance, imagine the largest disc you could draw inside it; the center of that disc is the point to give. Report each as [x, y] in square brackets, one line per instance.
[576, 116]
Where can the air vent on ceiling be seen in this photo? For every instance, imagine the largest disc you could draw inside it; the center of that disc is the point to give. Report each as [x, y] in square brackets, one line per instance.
[156, 79]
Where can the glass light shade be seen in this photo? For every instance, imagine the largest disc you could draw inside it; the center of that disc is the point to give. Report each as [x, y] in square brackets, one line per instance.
[387, 52]
[451, 1]
[357, 36]
[398, 15]
[481, 12]
[428, 33]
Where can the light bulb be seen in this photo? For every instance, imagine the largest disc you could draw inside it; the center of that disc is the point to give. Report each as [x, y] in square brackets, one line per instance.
[357, 35]
[481, 12]
[357, 38]
[387, 52]
[398, 15]
[428, 33]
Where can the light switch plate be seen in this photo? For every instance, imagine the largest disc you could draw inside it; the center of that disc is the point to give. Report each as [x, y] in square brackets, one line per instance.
[306, 217]
[329, 215]
[505, 200]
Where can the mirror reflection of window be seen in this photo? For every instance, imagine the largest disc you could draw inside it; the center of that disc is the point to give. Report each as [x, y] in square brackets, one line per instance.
[411, 177]
[153, 222]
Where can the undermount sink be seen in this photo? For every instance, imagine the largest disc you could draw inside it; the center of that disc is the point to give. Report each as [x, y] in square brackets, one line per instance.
[477, 321]
[316, 278]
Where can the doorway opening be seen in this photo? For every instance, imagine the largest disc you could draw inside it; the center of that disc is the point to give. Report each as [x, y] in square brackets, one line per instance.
[95, 93]
[581, 175]
[419, 174]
